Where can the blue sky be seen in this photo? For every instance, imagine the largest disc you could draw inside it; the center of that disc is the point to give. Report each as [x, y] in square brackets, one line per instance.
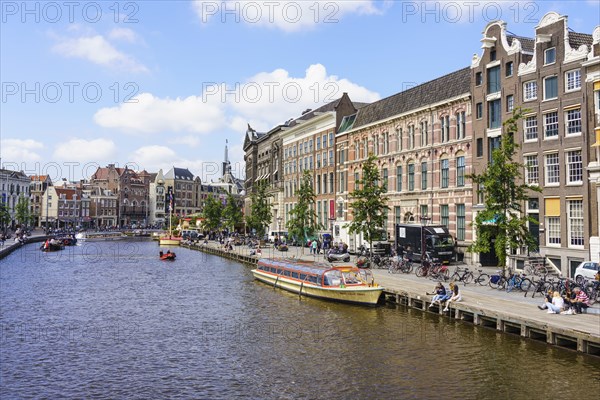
[154, 84]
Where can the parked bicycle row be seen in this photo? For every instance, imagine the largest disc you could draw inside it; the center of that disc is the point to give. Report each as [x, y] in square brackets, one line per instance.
[527, 281]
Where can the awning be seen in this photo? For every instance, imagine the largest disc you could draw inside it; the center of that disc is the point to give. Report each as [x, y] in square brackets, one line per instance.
[597, 144]
[552, 207]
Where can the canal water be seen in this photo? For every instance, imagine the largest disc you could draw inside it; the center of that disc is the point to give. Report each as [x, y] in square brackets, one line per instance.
[110, 320]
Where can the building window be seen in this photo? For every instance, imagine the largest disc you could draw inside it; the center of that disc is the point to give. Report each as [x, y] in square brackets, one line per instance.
[493, 54]
[479, 110]
[573, 80]
[460, 222]
[461, 125]
[331, 139]
[318, 142]
[444, 215]
[493, 144]
[424, 175]
[573, 121]
[331, 188]
[324, 141]
[478, 78]
[532, 173]
[510, 103]
[575, 208]
[342, 182]
[330, 157]
[531, 132]
[319, 185]
[411, 177]
[530, 90]
[397, 215]
[399, 178]
[574, 167]
[424, 138]
[479, 147]
[550, 87]
[550, 56]
[553, 225]
[494, 116]
[385, 179]
[446, 128]
[356, 181]
[319, 160]
[551, 125]
[493, 79]
[509, 69]
[445, 171]
[552, 169]
[460, 171]
[424, 211]
[324, 159]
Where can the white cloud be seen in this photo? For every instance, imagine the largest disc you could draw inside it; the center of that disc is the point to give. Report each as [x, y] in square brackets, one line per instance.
[281, 96]
[289, 16]
[189, 140]
[146, 113]
[98, 50]
[20, 150]
[264, 100]
[124, 34]
[83, 150]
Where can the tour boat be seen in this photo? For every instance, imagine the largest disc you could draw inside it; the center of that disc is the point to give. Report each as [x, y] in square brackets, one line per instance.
[347, 283]
[99, 236]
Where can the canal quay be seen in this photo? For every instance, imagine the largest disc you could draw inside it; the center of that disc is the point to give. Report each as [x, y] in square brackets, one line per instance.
[111, 320]
[481, 306]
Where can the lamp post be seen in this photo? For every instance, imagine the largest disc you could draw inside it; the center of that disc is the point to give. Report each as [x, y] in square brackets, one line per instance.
[423, 225]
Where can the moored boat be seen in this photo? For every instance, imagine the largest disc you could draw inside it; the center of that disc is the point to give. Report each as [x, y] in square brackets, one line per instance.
[99, 236]
[52, 245]
[346, 283]
[169, 240]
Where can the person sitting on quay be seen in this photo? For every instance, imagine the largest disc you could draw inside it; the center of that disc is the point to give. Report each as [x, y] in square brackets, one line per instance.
[455, 297]
[547, 299]
[557, 304]
[581, 301]
[440, 294]
[569, 298]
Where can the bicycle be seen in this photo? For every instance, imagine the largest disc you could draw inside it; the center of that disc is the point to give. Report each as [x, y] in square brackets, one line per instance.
[483, 279]
[535, 266]
[404, 265]
[466, 276]
[543, 285]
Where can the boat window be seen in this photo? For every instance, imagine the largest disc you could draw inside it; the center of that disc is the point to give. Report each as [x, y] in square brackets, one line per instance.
[366, 275]
[279, 271]
[273, 269]
[332, 278]
[286, 272]
[261, 267]
[294, 275]
[351, 277]
[302, 277]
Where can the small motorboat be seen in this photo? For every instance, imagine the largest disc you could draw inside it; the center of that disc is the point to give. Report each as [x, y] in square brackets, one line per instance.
[52, 245]
[167, 256]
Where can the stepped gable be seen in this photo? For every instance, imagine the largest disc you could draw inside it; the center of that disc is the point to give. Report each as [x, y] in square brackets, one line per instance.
[435, 91]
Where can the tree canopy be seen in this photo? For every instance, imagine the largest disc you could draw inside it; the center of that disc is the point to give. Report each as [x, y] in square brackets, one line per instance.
[369, 203]
[501, 183]
[232, 213]
[260, 210]
[212, 212]
[303, 218]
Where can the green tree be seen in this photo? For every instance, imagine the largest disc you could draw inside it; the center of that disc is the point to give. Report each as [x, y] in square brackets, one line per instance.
[212, 213]
[4, 217]
[303, 219]
[260, 210]
[369, 205]
[504, 193]
[22, 212]
[232, 213]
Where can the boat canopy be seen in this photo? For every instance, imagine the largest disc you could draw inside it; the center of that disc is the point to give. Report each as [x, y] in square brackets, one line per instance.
[312, 268]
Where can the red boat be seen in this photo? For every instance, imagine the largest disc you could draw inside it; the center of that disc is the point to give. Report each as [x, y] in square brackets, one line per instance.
[167, 256]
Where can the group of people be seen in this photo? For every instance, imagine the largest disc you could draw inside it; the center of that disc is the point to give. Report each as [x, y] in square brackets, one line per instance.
[573, 302]
[447, 297]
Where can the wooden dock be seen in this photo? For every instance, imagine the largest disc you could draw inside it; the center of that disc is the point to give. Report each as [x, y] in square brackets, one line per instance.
[577, 332]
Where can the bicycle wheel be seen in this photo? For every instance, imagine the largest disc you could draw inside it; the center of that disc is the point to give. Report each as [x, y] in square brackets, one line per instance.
[468, 278]
[483, 279]
[501, 283]
[408, 268]
[421, 272]
[495, 281]
[525, 285]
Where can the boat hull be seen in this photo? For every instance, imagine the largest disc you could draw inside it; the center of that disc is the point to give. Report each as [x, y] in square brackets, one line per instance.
[169, 241]
[348, 294]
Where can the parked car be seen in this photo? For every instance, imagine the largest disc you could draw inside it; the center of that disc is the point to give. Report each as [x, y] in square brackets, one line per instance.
[587, 270]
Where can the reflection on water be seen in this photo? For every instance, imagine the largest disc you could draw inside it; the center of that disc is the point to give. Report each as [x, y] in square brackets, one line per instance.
[112, 320]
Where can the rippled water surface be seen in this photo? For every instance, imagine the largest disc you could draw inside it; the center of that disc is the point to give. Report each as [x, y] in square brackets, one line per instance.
[110, 320]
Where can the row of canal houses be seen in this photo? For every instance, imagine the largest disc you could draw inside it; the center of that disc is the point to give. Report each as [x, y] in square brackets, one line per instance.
[429, 138]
